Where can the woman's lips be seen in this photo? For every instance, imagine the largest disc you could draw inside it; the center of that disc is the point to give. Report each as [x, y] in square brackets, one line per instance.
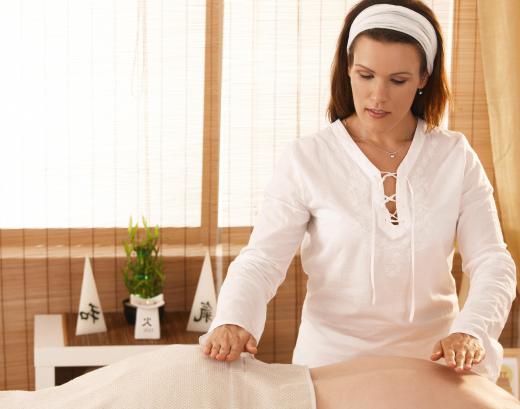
[376, 113]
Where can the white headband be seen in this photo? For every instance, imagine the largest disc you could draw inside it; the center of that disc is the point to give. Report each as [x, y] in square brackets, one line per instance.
[397, 18]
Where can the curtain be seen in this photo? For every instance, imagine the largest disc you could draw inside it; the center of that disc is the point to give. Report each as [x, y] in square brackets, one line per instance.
[500, 42]
[470, 114]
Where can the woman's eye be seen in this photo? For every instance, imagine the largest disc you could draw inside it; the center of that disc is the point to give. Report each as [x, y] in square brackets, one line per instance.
[367, 77]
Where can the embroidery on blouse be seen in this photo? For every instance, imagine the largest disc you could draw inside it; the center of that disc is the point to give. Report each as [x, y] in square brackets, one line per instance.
[421, 187]
[391, 252]
[358, 194]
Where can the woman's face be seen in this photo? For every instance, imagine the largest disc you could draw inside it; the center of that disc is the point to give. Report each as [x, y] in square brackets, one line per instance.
[384, 77]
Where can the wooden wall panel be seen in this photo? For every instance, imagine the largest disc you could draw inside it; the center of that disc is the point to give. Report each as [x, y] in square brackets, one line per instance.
[37, 294]
[14, 309]
[120, 291]
[285, 315]
[80, 246]
[59, 282]
[104, 268]
[3, 334]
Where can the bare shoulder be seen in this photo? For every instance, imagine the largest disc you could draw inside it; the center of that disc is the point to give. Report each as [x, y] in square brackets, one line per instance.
[366, 382]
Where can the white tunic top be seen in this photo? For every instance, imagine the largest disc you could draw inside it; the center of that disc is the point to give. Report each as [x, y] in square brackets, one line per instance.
[375, 287]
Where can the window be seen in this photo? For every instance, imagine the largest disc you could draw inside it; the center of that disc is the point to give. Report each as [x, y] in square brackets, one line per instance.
[104, 106]
[103, 115]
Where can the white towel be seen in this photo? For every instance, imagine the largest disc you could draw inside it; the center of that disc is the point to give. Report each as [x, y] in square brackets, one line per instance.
[177, 376]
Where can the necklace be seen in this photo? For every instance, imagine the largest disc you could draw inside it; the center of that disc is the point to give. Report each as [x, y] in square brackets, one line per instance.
[392, 155]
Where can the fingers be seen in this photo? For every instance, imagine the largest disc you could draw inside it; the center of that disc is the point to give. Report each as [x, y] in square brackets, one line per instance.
[449, 357]
[455, 359]
[207, 348]
[479, 356]
[222, 353]
[211, 347]
[461, 352]
[251, 346]
[234, 353]
[217, 350]
[470, 355]
[227, 342]
[460, 357]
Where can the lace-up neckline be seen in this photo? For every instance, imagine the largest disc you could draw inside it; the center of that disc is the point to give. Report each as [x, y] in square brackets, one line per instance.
[394, 219]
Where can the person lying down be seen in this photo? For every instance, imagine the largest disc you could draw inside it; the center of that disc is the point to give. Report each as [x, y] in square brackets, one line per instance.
[181, 376]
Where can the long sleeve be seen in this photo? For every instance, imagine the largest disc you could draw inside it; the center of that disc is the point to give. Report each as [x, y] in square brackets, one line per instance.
[485, 259]
[256, 273]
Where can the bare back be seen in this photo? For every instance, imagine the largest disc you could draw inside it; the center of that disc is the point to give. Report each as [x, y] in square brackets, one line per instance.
[406, 383]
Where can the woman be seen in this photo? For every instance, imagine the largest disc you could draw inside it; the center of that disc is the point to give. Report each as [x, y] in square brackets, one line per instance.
[179, 376]
[379, 198]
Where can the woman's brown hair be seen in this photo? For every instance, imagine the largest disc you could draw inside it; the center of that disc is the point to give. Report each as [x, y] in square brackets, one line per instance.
[428, 106]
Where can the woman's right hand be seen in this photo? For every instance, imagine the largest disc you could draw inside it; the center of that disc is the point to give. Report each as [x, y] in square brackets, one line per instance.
[226, 342]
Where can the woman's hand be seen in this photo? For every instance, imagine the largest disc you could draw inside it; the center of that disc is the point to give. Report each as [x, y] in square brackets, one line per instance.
[227, 341]
[460, 351]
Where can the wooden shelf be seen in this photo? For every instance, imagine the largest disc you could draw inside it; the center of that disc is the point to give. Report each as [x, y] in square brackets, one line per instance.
[119, 332]
[56, 345]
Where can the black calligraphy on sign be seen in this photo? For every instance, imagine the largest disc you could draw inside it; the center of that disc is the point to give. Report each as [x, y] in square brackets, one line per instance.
[94, 312]
[146, 322]
[205, 312]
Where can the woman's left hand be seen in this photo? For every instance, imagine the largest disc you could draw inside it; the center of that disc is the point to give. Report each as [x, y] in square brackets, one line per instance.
[460, 351]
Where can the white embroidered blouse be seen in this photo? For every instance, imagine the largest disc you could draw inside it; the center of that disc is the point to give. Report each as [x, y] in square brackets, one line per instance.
[377, 283]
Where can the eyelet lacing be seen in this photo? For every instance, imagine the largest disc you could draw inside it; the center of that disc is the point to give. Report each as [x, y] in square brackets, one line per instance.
[394, 219]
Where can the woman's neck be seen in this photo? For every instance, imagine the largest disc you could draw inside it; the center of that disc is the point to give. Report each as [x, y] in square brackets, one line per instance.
[401, 133]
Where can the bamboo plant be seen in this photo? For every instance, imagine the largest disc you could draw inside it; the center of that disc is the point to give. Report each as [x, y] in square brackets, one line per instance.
[143, 273]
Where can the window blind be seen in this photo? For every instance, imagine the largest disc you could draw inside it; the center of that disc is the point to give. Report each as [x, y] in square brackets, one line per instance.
[103, 107]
